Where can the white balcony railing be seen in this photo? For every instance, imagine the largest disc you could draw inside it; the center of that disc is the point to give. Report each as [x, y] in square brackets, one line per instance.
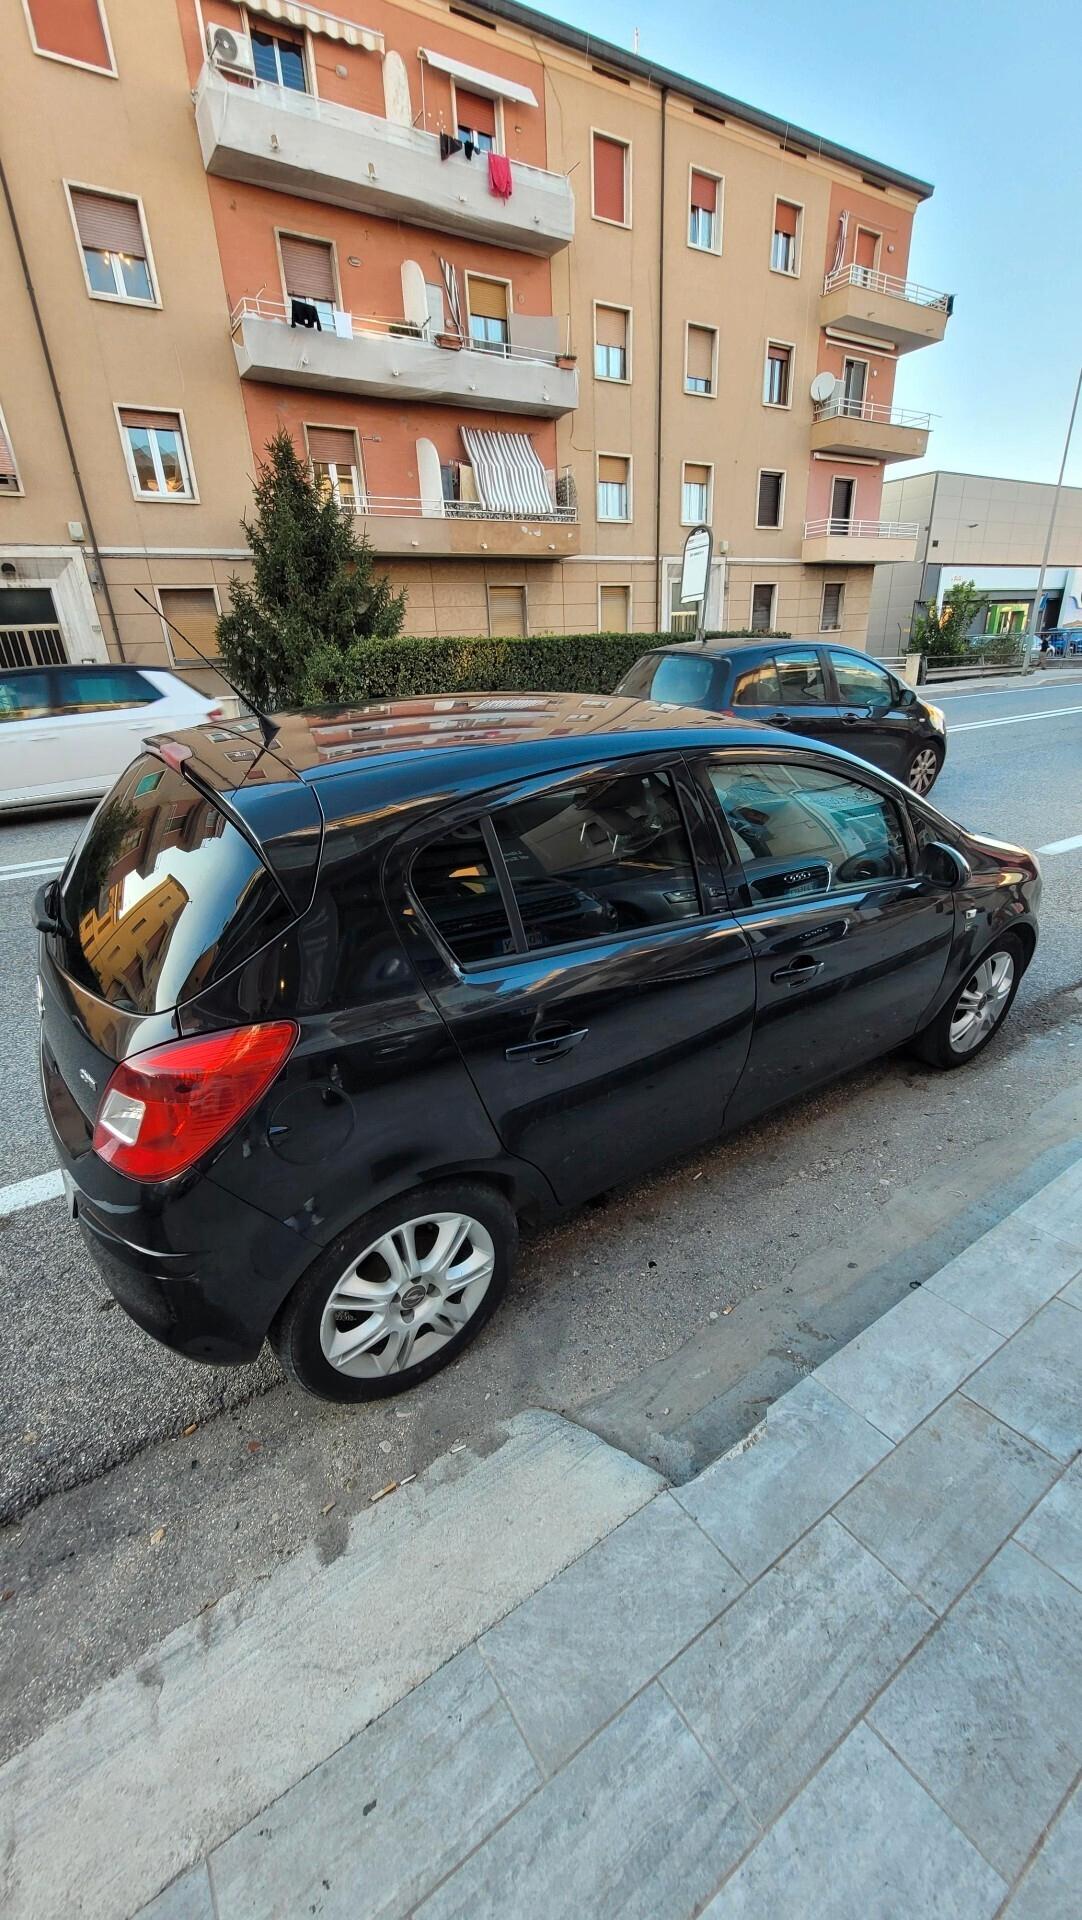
[259, 307]
[839, 408]
[862, 529]
[407, 507]
[890, 284]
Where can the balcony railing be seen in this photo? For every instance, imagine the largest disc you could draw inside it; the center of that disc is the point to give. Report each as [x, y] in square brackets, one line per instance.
[405, 507]
[862, 529]
[260, 308]
[839, 408]
[890, 284]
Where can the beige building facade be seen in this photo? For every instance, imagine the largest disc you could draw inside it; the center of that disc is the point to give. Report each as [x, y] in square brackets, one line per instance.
[531, 308]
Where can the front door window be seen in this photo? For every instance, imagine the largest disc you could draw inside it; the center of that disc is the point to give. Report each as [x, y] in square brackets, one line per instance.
[804, 831]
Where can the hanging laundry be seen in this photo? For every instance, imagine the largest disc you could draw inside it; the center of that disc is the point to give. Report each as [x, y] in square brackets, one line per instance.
[449, 145]
[469, 148]
[499, 175]
[303, 314]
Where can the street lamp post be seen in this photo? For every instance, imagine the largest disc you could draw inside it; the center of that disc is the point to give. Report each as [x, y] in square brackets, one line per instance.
[1032, 630]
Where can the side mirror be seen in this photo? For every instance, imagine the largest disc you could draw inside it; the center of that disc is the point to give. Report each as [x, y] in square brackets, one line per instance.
[944, 865]
[906, 697]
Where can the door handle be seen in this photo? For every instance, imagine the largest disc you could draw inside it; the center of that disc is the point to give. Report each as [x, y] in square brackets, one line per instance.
[547, 1046]
[799, 971]
[780, 720]
[850, 719]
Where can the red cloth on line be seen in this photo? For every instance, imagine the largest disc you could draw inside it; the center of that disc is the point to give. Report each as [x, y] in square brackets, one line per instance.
[499, 175]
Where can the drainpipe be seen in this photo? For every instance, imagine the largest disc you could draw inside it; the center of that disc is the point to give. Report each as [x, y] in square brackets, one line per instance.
[660, 367]
[61, 414]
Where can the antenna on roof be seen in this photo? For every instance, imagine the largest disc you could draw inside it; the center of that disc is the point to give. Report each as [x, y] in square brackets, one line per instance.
[634, 39]
[267, 726]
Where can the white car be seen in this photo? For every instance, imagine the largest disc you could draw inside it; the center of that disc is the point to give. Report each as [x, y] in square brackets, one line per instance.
[66, 732]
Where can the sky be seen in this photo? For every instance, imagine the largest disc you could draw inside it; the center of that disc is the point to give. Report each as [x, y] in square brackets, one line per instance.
[982, 100]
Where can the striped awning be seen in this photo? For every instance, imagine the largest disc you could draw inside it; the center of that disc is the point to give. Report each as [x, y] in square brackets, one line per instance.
[330, 25]
[449, 275]
[510, 477]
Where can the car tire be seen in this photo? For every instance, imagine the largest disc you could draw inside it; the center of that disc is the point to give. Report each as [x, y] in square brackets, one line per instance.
[414, 1269]
[947, 1041]
[925, 766]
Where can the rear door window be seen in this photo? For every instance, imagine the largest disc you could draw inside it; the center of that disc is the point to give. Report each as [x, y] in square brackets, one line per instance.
[758, 687]
[454, 881]
[101, 690]
[801, 678]
[164, 895]
[24, 696]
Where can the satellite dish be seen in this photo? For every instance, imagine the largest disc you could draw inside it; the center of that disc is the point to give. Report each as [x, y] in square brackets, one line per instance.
[822, 387]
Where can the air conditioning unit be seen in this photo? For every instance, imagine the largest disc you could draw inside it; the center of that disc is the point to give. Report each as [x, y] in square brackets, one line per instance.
[231, 52]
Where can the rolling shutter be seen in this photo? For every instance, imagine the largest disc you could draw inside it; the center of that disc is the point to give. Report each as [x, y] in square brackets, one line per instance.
[610, 165]
[488, 298]
[144, 417]
[611, 325]
[108, 223]
[769, 509]
[701, 353]
[474, 111]
[865, 247]
[308, 268]
[785, 218]
[332, 446]
[704, 192]
[612, 470]
[7, 457]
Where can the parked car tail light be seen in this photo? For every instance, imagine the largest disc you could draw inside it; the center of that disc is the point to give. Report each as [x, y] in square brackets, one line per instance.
[165, 1108]
[214, 713]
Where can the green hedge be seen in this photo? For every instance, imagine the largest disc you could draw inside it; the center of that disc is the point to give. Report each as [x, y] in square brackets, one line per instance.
[544, 663]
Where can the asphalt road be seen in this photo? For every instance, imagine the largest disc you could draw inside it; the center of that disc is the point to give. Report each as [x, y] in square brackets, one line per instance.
[93, 1453]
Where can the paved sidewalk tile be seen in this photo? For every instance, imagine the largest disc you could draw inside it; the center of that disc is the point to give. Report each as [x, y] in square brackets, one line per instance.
[899, 1369]
[948, 1496]
[1033, 1382]
[776, 1681]
[571, 1656]
[1054, 1529]
[863, 1841]
[1057, 1208]
[755, 1501]
[1051, 1889]
[1073, 1293]
[988, 1714]
[1007, 1274]
[370, 1828]
[188, 1898]
[637, 1826]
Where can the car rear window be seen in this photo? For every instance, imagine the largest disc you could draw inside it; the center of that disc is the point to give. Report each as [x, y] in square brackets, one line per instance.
[678, 679]
[163, 895]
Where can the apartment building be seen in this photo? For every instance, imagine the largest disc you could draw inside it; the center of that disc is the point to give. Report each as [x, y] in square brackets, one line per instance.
[530, 305]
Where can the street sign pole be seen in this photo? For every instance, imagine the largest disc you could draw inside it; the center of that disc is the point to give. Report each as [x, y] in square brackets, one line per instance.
[695, 573]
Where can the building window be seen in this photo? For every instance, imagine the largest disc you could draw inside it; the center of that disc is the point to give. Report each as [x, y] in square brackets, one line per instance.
[699, 365]
[611, 180]
[279, 59]
[704, 217]
[613, 486]
[507, 612]
[116, 258]
[336, 469]
[488, 303]
[762, 609]
[157, 454]
[777, 384]
[768, 510]
[695, 495]
[475, 120]
[9, 472]
[614, 609]
[308, 276]
[74, 30]
[830, 618]
[194, 612]
[612, 328]
[785, 246]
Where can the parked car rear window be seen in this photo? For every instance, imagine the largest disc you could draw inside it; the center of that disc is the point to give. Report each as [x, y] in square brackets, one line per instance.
[605, 857]
[96, 689]
[454, 882]
[24, 696]
[801, 830]
[678, 679]
[164, 895]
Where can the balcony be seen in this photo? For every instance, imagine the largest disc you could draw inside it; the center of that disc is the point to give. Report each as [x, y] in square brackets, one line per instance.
[272, 137]
[845, 427]
[465, 530]
[899, 312]
[395, 360]
[858, 543]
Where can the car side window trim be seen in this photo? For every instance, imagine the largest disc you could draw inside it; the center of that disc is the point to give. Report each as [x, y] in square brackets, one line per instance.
[503, 883]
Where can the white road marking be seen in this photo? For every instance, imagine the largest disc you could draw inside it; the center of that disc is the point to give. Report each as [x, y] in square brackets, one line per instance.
[1062, 846]
[29, 868]
[1010, 719]
[30, 1193]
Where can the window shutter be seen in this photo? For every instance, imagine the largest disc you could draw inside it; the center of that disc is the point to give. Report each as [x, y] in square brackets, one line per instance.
[308, 267]
[487, 298]
[865, 247]
[832, 606]
[612, 470]
[108, 223]
[785, 218]
[474, 110]
[696, 476]
[143, 417]
[610, 161]
[615, 609]
[336, 446]
[7, 457]
[71, 28]
[611, 325]
[704, 192]
[700, 353]
[194, 612]
[769, 513]
[778, 353]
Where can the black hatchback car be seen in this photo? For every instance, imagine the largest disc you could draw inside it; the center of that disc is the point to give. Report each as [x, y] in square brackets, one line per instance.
[323, 1020]
[825, 693]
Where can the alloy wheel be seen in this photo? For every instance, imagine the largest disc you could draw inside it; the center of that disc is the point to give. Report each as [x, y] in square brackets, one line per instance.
[982, 1002]
[923, 770]
[410, 1292]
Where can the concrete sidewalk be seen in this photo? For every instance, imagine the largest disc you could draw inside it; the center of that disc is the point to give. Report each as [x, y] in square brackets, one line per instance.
[838, 1676]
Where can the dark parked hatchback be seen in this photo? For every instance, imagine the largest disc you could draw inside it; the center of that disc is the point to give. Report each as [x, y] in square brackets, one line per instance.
[323, 1021]
[826, 693]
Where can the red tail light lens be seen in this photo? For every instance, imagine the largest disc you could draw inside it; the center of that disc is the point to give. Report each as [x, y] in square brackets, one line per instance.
[165, 1108]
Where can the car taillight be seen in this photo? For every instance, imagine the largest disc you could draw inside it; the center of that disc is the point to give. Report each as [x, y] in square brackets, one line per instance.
[214, 713]
[164, 1108]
